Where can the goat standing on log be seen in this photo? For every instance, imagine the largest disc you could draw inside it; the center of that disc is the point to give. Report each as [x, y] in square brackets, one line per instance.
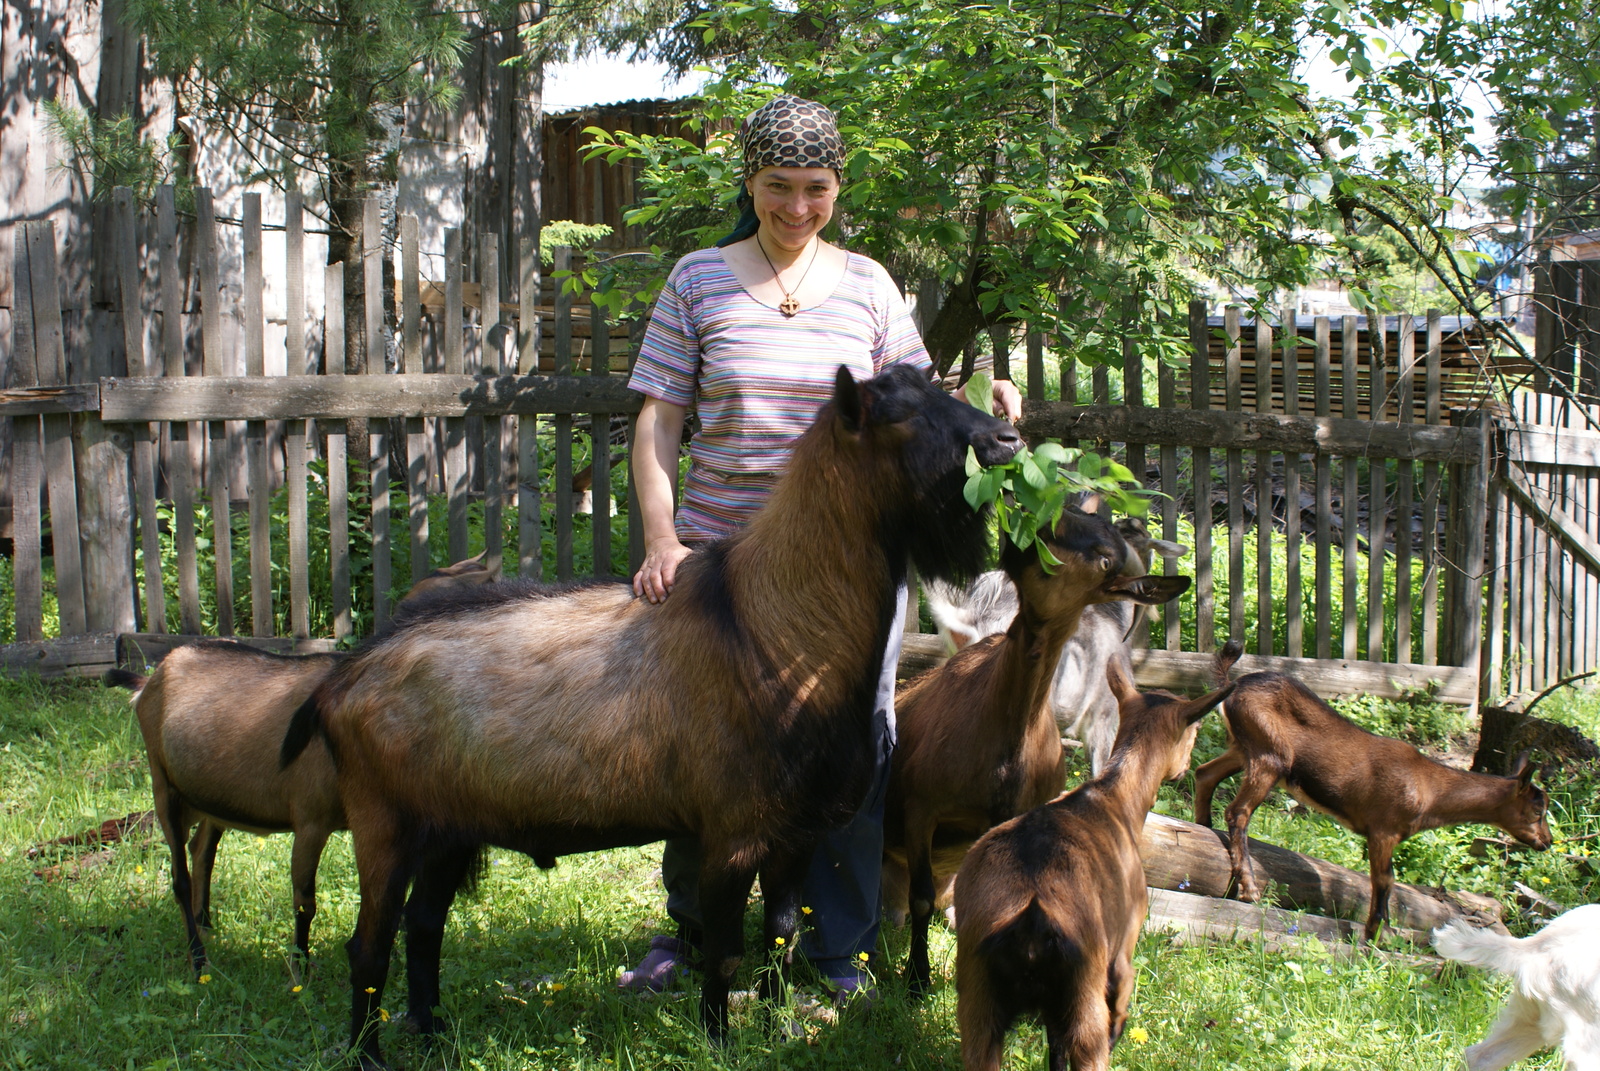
[213, 716]
[739, 711]
[1082, 704]
[1050, 904]
[978, 743]
[1279, 732]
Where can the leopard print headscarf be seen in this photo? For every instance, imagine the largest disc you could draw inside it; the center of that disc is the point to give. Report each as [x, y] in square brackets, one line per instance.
[790, 132]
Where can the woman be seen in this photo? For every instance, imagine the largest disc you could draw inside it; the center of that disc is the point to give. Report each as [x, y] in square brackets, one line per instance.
[752, 332]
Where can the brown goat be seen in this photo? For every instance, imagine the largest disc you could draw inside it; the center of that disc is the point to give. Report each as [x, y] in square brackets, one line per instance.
[1049, 905]
[1384, 789]
[739, 711]
[978, 741]
[213, 717]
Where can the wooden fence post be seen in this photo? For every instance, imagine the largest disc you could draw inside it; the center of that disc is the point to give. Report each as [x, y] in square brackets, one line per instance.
[1200, 398]
[563, 421]
[27, 549]
[1474, 524]
[333, 342]
[377, 430]
[219, 464]
[144, 435]
[180, 457]
[294, 439]
[260, 472]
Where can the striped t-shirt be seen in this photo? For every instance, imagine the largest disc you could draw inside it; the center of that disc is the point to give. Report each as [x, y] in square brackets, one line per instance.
[758, 377]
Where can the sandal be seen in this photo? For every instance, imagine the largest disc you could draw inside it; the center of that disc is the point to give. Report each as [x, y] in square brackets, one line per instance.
[668, 960]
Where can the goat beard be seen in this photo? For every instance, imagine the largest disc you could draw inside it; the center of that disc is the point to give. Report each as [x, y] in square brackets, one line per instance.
[949, 540]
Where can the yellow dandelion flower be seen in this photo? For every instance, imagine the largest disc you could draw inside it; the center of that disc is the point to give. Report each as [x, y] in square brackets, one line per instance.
[138, 869]
[205, 979]
[1544, 881]
[805, 911]
[862, 956]
[1138, 1035]
[556, 987]
[297, 989]
[371, 990]
[383, 1015]
[780, 942]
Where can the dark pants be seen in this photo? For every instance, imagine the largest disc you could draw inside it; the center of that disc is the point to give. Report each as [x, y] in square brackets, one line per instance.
[841, 887]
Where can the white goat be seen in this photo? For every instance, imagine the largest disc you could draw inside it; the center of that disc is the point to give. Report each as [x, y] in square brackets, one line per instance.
[1081, 701]
[1555, 998]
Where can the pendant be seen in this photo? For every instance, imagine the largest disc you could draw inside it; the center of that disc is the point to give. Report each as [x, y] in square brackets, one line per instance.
[788, 306]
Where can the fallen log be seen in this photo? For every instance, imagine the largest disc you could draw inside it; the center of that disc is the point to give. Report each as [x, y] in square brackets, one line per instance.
[1190, 919]
[1185, 857]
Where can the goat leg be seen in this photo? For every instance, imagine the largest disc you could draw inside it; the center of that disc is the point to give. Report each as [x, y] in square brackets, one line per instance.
[981, 1024]
[202, 857]
[1208, 777]
[782, 875]
[303, 860]
[1380, 856]
[723, 892]
[434, 890]
[1253, 789]
[174, 818]
[919, 970]
[1078, 1031]
[382, 867]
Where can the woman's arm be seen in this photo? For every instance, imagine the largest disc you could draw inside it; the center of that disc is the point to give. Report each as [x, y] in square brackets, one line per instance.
[655, 474]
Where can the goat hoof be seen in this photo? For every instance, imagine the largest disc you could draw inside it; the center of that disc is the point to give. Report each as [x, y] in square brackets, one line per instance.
[918, 986]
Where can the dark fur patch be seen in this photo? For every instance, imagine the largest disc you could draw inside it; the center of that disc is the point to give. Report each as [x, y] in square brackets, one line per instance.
[1030, 962]
[123, 678]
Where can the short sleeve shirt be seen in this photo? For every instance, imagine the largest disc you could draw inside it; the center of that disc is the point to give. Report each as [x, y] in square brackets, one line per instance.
[758, 377]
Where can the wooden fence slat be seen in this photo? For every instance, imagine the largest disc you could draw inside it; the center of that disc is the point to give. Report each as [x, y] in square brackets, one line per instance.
[1264, 518]
[181, 438]
[563, 423]
[1166, 396]
[1035, 365]
[1474, 502]
[1432, 373]
[416, 429]
[372, 252]
[1200, 396]
[1378, 493]
[455, 459]
[27, 556]
[1293, 617]
[60, 464]
[131, 314]
[333, 342]
[294, 443]
[1233, 378]
[530, 552]
[600, 454]
[260, 478]
[219, 467]
[1352, 488]
[495, 430]
[1404, 490]
[1322, 372]
[1132, 396]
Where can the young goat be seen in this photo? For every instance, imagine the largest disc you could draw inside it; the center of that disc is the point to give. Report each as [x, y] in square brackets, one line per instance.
[1049, 905]
[739, 711]
[1555, 995]
[1083, 706]
[977, 740]
[1383, 789]
[213, 717]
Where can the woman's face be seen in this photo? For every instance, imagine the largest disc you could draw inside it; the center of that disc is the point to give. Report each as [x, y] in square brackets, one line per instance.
[793, 204]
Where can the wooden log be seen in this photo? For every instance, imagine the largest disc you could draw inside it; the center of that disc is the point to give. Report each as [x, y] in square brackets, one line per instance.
[1187, 857]
[87, 655]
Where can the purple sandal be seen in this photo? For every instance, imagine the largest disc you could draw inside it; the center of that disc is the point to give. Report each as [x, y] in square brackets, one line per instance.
[668, 960]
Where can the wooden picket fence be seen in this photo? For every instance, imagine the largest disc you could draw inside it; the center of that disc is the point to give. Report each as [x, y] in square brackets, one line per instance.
[1312, 443]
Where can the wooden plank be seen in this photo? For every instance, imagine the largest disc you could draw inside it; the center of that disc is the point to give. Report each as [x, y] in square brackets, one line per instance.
[497, 442]
[142, 650]
[563, 424]
[1233, 376]
[1322, 435]
[1166, 393]
[1322, 372]
[1531, 445]
[338, 463]
[1432, 362]
[219, 468]
[144, 437]
[455, 458]
[1200, 396]
[1474, 502]
[1495, 675]
[1264, 518]
[295, 359]
[1193, 672]
[1035, 344]
[182, 440]
[1404, 490]
[295, 431]
[260, 470]
[416, 430]
[1542, 505]
[26, 539]
[1352, 489]
[1133, 397]
[49, 348]
[530, 555]
[377, 430]
[19, 401]
[1293, 610]
[1378, 490]
[87, 655]
[600, 459]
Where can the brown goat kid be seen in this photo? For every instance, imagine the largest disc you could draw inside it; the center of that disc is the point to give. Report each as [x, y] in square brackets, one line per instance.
[213, 717]
[978, 741]
[1049, 905]
[1384, 789]
[739, 711]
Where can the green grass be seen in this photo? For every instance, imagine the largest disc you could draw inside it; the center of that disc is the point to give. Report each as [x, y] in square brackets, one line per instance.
[93, 972]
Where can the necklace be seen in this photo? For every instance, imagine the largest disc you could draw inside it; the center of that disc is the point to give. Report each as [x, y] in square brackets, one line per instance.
[788, 306]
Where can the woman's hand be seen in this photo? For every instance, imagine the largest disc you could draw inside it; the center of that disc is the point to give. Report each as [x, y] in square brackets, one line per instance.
[1007, 400]
[658, 574]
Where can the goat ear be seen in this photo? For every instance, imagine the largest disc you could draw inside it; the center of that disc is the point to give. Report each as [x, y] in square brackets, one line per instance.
[1090, 503]
[1199, 708]
[1522, 767]
[847, 399]
[1165, 548]
[1151, 590]
[1117, 678]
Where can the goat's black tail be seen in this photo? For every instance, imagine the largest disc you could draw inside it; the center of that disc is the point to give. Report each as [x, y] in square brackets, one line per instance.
[124, 678]
[1225, 659]
[305, 724]
[1029, 956]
